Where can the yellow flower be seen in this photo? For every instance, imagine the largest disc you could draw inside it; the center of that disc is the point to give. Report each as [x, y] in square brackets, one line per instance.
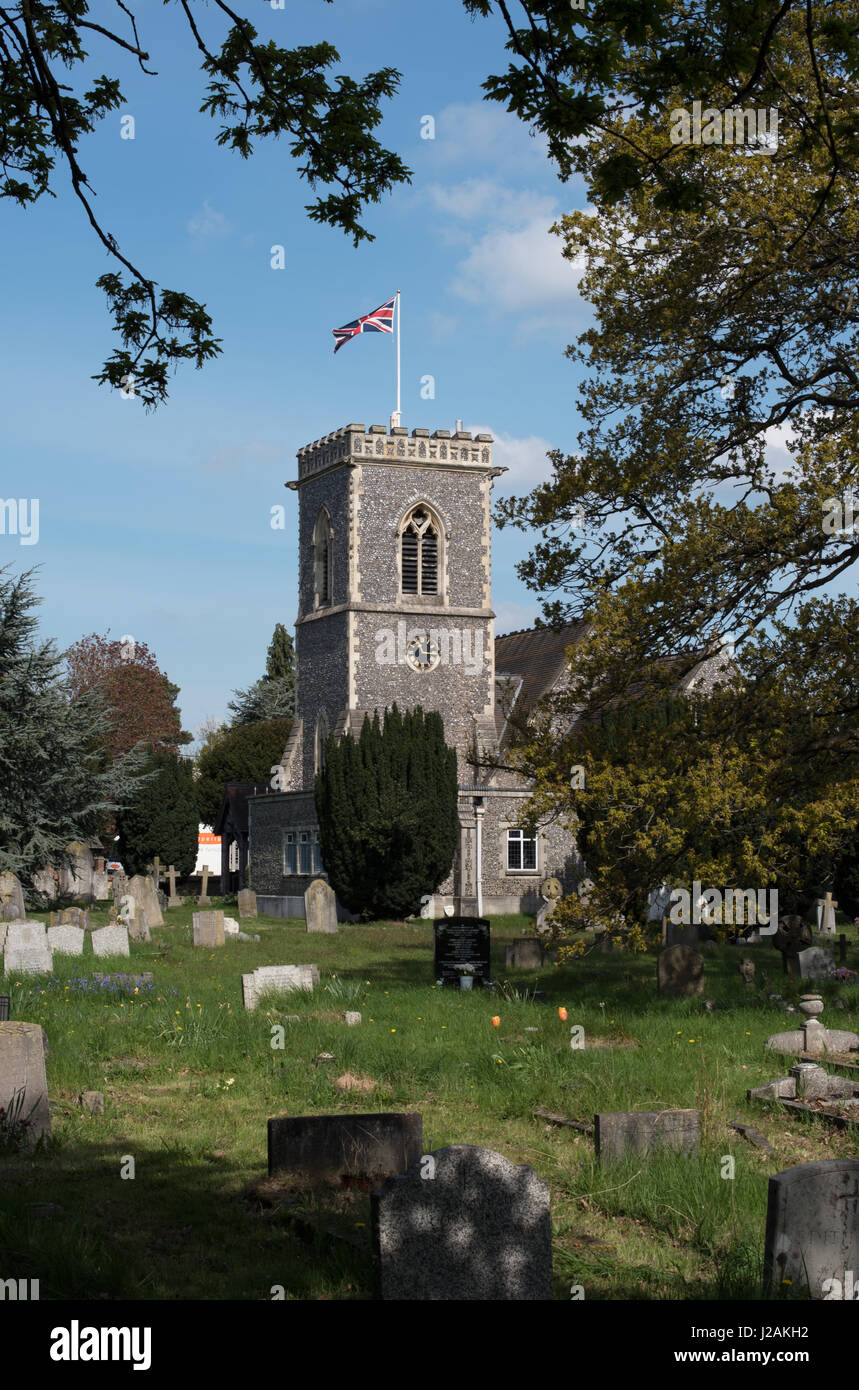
[393, 1030]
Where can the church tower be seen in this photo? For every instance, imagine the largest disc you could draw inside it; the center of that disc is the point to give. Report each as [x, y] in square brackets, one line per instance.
[394, 587]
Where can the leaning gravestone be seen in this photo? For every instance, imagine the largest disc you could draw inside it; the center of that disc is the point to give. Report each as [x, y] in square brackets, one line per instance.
[66, 940]
[26, 949]
[277, 979]
[110, 941]
[10, 887]
[248, 902]
[645, 1132]
[138, 927]
[816, 963]
[680, 972]
[23, 1088]
[142, 889]
[812, 1227]
[463, 1224]
[325, 1149]
[320, 907]
[461, 947]
[208, 928]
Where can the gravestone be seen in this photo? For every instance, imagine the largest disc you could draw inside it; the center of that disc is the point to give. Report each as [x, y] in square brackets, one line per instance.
[325, 1149]
[461, 942]
[232, 928]
[680, 972]
[525, 953]
[76, 877]
[825, 912]
[463, 1224]
[208, 929]
[3, 929]
[320, 907]
[174, 900]
[791, 937]
[46, 883]
[645, 1132]
[815, 963]
[10, 888]
[26, 949]
[277, 979]
[100, 885]
[142, 889]
[204, 900]
[66, 940]
[138, 927]
[118, 887]
[23, 1088]
[248, 903]
[71, 917]
[747, 970]
[812, 1232]
[110, 941]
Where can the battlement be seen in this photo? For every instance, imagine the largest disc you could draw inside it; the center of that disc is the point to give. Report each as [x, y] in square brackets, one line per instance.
[378, 444]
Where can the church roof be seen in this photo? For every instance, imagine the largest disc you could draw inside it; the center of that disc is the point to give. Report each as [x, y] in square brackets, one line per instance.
[528, 664]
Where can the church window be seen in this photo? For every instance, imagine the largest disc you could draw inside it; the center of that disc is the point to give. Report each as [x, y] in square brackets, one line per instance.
[419, 544]
[323, 560]
[521, 851]
[290, 863]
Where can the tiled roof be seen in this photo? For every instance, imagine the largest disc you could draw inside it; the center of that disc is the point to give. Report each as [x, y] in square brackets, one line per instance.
[531, 659]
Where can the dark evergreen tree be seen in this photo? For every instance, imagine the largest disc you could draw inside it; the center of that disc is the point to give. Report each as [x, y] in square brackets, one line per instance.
[387, 807]
[163, 818]
[280, 660]
[273, 696]
[244, 754]
[55, 783]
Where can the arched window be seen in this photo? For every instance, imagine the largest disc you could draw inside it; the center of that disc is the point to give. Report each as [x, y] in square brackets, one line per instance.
[419, 551]
[323, 560]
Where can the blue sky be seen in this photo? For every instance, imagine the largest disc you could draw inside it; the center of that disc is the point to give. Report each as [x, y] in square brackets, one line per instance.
[158, 525]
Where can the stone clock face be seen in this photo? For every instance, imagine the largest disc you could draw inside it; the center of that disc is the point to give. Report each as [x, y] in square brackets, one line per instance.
[422, 653]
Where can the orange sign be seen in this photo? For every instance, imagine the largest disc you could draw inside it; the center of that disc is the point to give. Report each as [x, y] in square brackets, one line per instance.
[204, 838]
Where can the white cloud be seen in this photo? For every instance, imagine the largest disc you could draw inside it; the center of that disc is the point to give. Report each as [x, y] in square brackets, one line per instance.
[482, 132]
[518, 269]
[208, 224]
[778, 455]
[490, 201]
[524, 458]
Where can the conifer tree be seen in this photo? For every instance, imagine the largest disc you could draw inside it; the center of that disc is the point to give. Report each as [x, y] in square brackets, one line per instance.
[387, 807]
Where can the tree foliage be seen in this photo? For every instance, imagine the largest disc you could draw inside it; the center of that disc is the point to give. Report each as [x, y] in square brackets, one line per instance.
[387, 808]
[51, 97]
[55, 786]
[138, 694]
[244, 754]
[273, 695]
[163, 818]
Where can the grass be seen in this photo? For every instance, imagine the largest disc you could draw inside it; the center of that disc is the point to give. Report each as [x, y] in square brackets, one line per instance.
[190, 1078]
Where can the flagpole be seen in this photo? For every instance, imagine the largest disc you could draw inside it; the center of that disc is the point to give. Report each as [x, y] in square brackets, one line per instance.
[399, 316]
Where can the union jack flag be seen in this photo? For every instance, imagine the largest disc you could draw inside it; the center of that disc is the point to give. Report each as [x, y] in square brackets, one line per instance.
[380, 321]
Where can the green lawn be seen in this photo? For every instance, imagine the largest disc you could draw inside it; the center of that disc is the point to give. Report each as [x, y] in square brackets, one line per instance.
[190, 1078]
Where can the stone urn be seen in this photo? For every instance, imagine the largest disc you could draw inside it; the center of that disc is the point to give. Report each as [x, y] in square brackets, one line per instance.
[811, 1005]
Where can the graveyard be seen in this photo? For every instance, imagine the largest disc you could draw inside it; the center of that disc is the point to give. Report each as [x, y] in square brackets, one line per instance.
[181, 1076]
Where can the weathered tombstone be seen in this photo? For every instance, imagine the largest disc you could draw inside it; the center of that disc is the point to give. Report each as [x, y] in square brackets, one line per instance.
[110, 941]
[23, 1088]
[248, 903]
[138, 927]
[525, 953]
[680, 972]
[277, 979]
[174, 900]
[204, 899]
[463, 1224]
[208, 928]
[645, 1132]
[747, 970]
[46, 883]
[76, 877]
[71, 917]
[26, 949]
[812, 1234]
[100, 885]
[118, 887]
[815, 963]
[328, 1148]
[791, 937]
[66, 940]
[142, 889]
[232, 928]
[320, 907]
[12, 893]
[461, 947]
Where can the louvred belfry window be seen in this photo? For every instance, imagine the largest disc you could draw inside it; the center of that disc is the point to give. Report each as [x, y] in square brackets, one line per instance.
[420, 554]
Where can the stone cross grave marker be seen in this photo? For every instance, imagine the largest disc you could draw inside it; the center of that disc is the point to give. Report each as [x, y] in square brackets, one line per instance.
[812, 1233]
[110, 941]
[26, 949]
[23, 1088]
[644, 1132]
[791, 937]
[680, 972]
[208, 928]
[174, 900]
[325, 1149]
[461, 948]
[826, 915]
[203, 900]
[463, 1224]
[248, 902]
[320, 907]
[66, 940]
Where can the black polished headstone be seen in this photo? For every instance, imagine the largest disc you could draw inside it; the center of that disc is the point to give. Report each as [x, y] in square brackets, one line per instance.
[461, 941]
